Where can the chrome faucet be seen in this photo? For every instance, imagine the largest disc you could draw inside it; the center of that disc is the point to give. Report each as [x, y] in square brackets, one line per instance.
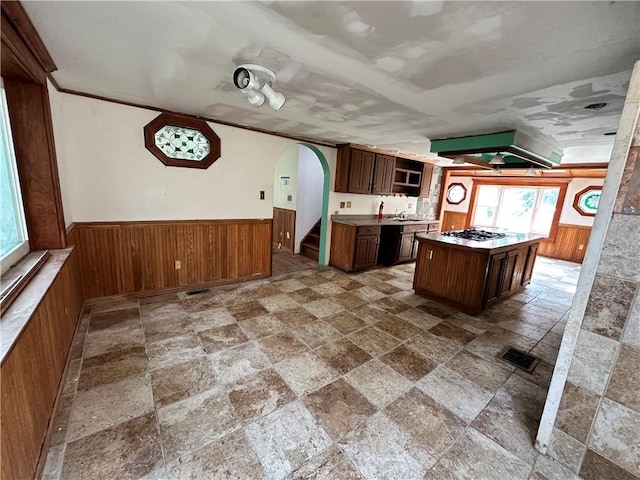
[403, 215]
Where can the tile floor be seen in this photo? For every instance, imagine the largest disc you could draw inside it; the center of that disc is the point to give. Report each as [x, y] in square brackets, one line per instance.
[312, 374]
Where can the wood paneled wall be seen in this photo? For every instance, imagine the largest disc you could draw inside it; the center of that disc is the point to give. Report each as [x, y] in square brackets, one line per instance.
[284, 222]
[453, 221]
[570, 243]
[31, 373]
[128, 257]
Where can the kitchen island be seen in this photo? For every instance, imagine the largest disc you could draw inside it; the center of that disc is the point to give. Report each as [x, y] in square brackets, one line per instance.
[471, 275]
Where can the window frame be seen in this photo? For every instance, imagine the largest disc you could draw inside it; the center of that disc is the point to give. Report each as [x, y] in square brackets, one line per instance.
[464, 193]
[578, 195]
[522, 182]
[21, 250]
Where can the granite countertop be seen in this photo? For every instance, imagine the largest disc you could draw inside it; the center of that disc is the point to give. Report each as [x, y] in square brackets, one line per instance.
[512, 238]
[367, 220]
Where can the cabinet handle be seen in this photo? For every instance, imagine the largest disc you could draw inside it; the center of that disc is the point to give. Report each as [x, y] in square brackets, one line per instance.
[430, 254]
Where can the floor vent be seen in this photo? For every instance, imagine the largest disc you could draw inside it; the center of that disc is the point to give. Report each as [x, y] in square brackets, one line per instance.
[519, 358]
[197, 292]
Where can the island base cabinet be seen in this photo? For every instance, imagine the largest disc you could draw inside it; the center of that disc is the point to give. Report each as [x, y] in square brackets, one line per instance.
[449, 276]
[502, 280]
[471, 279]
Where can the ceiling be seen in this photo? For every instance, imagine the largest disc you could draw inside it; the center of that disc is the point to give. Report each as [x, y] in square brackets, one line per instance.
[390, 74]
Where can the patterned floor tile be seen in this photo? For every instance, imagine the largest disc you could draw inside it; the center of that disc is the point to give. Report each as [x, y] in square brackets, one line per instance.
[285, 439]
[380, 449]
[339, 408]
[259, 394]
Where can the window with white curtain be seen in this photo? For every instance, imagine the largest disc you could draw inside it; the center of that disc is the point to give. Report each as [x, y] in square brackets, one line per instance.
[525, 209]
[13, 232]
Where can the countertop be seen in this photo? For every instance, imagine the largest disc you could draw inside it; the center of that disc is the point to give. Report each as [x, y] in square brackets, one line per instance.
[512, 238]
[367, 220]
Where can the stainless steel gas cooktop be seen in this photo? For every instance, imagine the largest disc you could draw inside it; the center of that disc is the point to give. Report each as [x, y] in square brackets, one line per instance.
[474, 234]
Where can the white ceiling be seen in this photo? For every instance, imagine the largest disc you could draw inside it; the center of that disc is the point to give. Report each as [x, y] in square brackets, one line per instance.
[391, 74]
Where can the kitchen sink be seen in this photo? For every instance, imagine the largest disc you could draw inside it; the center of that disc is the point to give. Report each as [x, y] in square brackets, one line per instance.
[407, 220]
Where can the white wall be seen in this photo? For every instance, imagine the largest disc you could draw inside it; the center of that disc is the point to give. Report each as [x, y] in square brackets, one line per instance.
[310, 189]
[464, 206]
[368, 204]
[567, 216]
[286, 166]
[106, 174]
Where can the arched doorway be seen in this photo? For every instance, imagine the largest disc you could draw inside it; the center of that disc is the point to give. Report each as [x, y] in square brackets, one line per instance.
[301, 197]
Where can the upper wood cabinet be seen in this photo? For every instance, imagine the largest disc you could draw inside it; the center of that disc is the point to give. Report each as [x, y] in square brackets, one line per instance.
[361, 171]
[383, 174]
[369, 172]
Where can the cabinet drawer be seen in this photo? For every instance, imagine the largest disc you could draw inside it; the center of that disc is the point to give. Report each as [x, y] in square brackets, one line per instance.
[368, 230]
[414, 228]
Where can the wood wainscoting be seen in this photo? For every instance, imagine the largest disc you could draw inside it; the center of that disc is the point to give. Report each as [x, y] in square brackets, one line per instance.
[453, 221]
[32, 370]
[284, 228]
[570, 243]
[120, 258]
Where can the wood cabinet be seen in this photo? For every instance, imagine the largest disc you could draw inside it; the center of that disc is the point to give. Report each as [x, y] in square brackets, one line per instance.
[365, 171]
[501, 281]
[383, 174]
[361, 171]
[427, 173]
[472, 278]
[354, 248]
[528, 267]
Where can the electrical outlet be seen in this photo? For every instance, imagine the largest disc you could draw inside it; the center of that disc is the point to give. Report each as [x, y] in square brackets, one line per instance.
[261, 194]
[289, 198]
[410, 205]
[178, 264]
[341, 204]
[348, 204]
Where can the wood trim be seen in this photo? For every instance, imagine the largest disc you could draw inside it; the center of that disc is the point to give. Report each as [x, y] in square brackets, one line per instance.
[522, 181]
[16, 14]
[525, 181]
[125, 258]
[151, 128]
[391, 153]
[32, 131]
[207, 119]
[577, 196]
[464, 195]
[32, 371]
[444, 180]
[19, 277]
[137, 223]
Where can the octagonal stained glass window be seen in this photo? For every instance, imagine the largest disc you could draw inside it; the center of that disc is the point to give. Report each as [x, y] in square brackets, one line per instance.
[456, 193]
[181, 141]
[586, 201]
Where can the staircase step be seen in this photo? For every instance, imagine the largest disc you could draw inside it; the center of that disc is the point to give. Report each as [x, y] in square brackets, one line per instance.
[313, 239]
[310, 251]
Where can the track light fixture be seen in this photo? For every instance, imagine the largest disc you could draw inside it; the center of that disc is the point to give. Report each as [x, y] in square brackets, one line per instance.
[255, 82]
